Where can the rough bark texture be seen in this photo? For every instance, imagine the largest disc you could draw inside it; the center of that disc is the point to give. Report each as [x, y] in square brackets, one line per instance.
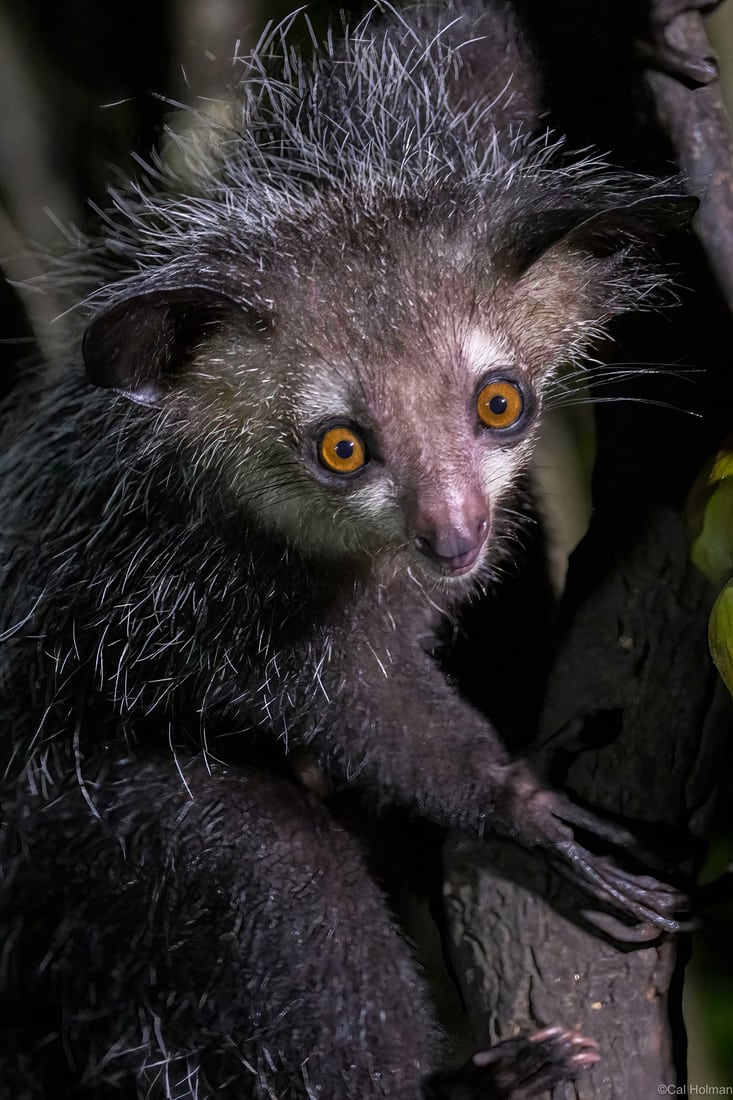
[633, 669]
[698, 127]
[633, 711]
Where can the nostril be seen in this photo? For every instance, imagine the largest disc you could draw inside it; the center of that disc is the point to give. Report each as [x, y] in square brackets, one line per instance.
[448, 545]
[453, 547]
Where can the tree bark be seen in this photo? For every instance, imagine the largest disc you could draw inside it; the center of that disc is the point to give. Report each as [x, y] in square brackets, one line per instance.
[634, 713]
[697, 124]
[632, 671]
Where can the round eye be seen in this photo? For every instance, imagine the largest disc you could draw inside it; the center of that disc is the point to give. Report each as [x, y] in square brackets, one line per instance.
[342, 451]
[499, 404]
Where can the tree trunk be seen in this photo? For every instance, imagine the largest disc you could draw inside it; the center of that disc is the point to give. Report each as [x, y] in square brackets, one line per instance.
[632, 684]
[634, 714]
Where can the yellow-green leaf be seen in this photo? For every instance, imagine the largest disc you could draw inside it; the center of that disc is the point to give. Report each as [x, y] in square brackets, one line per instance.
[706, 483]
[720, 634]
[712, 550]
[722, 467]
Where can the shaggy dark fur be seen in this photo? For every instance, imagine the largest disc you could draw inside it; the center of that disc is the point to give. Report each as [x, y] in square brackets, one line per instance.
[193, 599]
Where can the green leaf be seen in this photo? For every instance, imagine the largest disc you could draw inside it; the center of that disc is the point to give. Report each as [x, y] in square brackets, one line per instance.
[720, 634]
[722, 466]
[712, 550]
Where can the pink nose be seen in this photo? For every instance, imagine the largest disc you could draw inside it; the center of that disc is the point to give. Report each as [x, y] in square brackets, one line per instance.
[455, 549]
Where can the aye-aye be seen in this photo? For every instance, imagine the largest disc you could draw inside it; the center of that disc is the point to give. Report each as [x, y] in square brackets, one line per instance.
[311, 394]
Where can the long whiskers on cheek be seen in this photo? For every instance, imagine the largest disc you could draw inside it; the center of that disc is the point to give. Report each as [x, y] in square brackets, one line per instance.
[510, 532]
[577, 386]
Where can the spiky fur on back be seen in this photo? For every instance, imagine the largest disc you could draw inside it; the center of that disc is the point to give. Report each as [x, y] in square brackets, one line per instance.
[363, 232]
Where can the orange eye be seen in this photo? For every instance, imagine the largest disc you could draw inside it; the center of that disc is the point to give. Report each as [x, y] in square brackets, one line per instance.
[342, 451]
[499, 404]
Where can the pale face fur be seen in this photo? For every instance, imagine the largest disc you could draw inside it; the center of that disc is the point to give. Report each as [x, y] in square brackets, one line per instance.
[400, 359]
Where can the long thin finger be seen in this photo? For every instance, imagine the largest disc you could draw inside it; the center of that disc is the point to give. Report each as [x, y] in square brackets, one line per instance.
[643, 910]
[641, 886]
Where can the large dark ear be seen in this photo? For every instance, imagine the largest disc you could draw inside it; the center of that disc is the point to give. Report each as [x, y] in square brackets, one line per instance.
[641, 220]
[141, 345]
[572, 271]
[602, 232]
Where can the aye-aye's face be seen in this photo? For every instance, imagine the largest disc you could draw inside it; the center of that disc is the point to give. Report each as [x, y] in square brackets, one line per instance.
[383, 403]
[391, 413]
[408, 448]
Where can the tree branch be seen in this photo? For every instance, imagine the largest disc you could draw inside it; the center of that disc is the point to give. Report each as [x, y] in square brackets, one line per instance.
[632, 672]
[696, 123]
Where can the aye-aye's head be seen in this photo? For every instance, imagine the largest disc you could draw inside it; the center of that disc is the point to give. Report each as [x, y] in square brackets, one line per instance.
[353, 317]
[374, 385]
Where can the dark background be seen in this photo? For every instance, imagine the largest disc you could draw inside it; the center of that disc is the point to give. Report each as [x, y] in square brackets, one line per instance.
[85, 86]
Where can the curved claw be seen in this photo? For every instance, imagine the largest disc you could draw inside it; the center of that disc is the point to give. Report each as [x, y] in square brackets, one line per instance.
[647, 904]
[534, 816]
[517, 1069]
[641, 886]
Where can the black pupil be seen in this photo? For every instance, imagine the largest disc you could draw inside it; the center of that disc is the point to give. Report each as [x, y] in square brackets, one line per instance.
[345, 448]
[498, 405]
